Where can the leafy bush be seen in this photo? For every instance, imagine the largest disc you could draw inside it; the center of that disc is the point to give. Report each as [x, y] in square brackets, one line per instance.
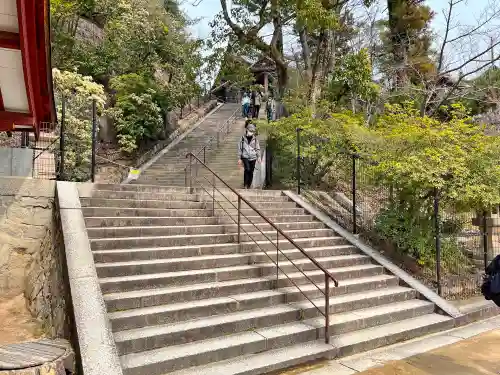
[137, 117]
[78, 92]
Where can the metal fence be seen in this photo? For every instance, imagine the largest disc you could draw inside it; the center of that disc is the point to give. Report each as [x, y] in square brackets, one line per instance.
[69, 149]
[442, 246]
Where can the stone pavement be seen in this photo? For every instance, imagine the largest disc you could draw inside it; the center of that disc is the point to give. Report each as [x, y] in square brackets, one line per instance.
[469, 350]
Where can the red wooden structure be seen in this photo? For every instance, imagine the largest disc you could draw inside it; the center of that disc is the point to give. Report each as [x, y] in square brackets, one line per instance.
[26, 98]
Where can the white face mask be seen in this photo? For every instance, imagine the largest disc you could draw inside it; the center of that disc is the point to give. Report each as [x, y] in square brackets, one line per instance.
[249, 133]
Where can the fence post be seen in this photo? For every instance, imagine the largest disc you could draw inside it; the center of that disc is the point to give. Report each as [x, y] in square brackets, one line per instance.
[485, 240]
[61, 138]
[298, 160]
[354, 186]
[181, 113]
[438, 239]
[94, 138]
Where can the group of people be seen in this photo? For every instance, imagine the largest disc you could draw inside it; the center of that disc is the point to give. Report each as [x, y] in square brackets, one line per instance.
[252, 102]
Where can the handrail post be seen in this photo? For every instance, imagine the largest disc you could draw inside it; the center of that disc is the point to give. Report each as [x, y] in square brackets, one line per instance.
[239, 219]
[94, 139]
[354, 187]
[438, 239]
[298, 161]
[485, 240]
[277, 257]
[204, 152]
[190, 174]
[218, 139]
[327, 309]
[213, 195]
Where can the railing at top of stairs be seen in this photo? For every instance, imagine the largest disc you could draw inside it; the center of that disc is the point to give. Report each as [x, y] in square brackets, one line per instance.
[279, 233]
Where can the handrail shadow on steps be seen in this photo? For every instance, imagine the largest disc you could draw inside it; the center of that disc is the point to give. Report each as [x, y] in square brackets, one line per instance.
[328, 276]
[221, 130]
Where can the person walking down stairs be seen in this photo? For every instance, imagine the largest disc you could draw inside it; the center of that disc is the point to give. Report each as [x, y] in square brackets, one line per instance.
[248, 154]
[257, 101]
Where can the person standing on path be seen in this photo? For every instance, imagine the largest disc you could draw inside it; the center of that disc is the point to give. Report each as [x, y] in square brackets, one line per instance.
[271, 109]
[245, 105]
[248, 154]
[257, 104]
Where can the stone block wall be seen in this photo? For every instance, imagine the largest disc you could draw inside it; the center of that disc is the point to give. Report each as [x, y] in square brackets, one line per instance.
[32, 251]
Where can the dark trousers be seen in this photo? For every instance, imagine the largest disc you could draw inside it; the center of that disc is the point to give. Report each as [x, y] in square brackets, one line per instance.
[256, 110]
[249, 167]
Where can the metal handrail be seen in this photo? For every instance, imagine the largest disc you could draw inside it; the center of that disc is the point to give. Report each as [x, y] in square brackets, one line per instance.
[203, 149]
[327, 274]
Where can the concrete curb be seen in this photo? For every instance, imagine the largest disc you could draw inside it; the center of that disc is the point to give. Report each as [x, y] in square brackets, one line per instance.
[96, 344]
[176, 140]
[430, 295]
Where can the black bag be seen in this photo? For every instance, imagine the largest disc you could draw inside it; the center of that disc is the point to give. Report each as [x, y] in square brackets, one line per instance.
[491, 283]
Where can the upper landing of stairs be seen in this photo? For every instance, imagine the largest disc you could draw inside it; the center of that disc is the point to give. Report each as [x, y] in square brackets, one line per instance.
[168, 169]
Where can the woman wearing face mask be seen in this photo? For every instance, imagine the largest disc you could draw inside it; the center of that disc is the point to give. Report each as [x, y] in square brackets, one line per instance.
[248, 154]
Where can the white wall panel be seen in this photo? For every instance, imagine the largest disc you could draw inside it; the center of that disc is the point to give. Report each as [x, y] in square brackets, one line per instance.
[12, 84]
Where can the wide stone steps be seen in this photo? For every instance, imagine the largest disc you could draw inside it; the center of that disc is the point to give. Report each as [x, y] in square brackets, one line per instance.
[264, 301]
[306, 237]
[264, 361]
[232, 250]
[212, 262]
[178, 196]
[163, 212]
[167, 359]
[159, 296]
[139, 221]
[132, 336]
[170, 166]
[158, 280]
[184, 297]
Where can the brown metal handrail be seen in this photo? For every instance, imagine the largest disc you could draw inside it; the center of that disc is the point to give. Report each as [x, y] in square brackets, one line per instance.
[327, 274]
[224, 130]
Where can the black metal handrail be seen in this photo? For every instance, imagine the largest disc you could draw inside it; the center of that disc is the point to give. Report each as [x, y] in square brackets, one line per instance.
[279, 232]
[221, 130]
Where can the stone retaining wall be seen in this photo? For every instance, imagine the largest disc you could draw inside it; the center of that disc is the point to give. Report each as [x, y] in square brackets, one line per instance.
[31, 251]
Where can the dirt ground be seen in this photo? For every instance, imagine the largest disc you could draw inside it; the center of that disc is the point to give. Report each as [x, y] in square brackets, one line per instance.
[476, 356]
[16, 323]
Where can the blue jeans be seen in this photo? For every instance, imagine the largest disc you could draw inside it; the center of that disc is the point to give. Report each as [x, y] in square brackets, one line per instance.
[246, 109]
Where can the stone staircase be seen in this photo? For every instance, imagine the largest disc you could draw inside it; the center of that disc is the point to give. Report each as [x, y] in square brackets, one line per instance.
[184, 297]
[168, 170]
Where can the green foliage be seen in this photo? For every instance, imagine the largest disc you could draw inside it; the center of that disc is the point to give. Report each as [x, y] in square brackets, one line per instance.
[412, 232]
[137, 118]
[138, 50]
[417, 154]
[351, 79]
[412, 155]
[78, 92]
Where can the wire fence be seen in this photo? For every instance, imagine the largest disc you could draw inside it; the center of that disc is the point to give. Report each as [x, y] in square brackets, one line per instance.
[444, 247]
[70, 149]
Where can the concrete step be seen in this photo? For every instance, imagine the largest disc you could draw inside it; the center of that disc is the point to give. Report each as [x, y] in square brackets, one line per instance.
[139, 195]
[141, 267]
[276, 359]
[131, 203]
[265, 362]
[205, 239]
[159, 296]
[141, 327]
[177, 196]
[158, 361]
[180, 252]
[225, 248]
[163, 212]
[159, 280]
[145, 231]
[138, 221]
